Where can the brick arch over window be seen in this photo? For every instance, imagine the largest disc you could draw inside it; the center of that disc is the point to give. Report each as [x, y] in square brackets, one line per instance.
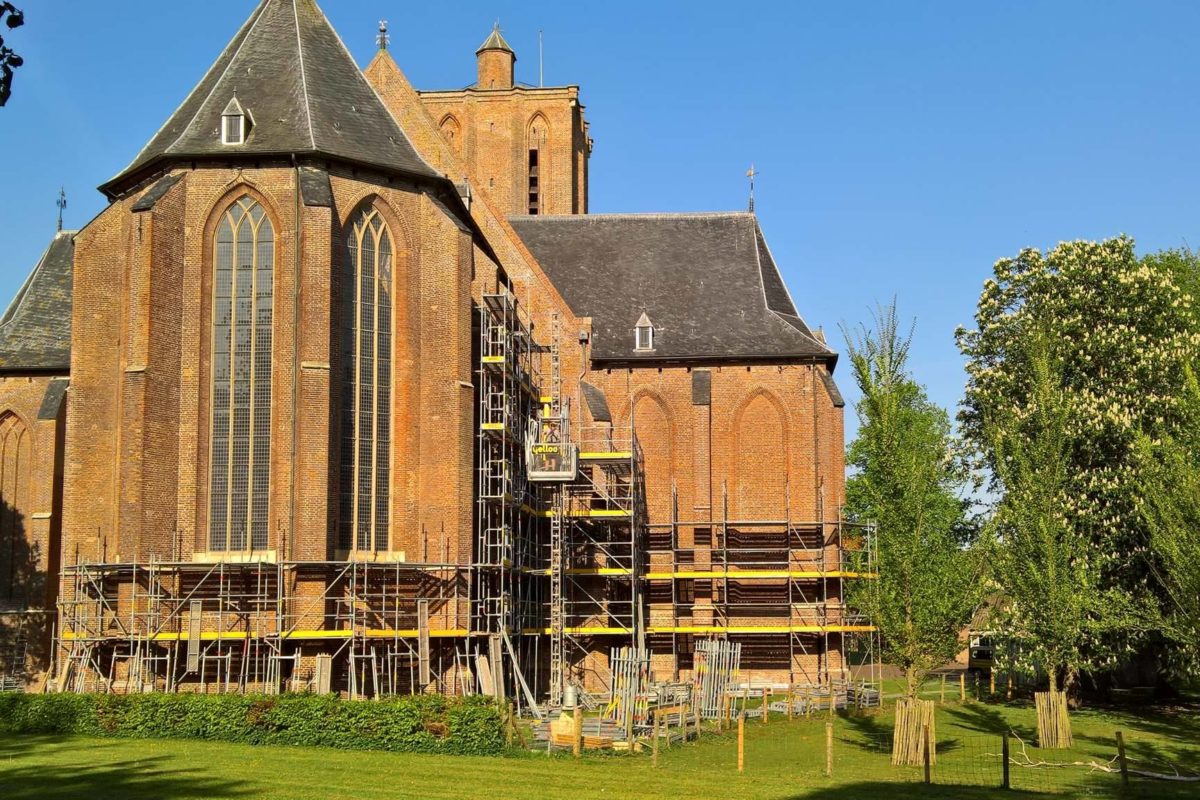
[451, 131]
[16, 558]
[367, 356]
[761, 453]
[240, 409]
[655, 428]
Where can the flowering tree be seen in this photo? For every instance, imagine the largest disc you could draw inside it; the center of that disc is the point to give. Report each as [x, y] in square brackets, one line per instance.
[1117, 332]
[906, 480]
[1054, 604]
[1172, 509]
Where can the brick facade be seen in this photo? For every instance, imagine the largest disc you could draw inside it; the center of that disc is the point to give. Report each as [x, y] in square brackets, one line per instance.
[755, 457]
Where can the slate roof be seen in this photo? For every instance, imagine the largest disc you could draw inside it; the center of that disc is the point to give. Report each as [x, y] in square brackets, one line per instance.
[707, 281]
[35, 331]
[302, 90]
[494, 41]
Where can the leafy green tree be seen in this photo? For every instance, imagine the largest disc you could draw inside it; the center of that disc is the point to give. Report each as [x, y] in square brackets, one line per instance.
[12, 17]
[1117, 331]
[1172, 509]
[1053, 605]
[908, 483]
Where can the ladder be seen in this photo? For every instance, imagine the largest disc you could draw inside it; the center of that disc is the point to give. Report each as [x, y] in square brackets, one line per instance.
[557, 510]
[557, 603]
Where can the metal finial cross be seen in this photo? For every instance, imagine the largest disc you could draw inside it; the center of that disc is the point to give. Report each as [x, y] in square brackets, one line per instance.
[384, 37]
[62, 204]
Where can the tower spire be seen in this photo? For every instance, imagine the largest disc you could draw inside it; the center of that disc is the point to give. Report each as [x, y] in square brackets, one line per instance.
[62, 204]
[384, 38]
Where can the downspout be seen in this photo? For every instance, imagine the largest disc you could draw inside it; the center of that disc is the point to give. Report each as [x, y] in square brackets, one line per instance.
[284, 549]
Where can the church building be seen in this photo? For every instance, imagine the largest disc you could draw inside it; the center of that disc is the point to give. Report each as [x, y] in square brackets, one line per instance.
[347, 391]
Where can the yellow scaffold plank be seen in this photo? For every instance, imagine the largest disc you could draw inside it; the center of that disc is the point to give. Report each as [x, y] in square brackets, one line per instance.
[582, 631]
[598, 571]
[412, 633]
[614, 456]
[599, 513]
[759, 574]
[493, 359]
[759, 628]
[492, 426]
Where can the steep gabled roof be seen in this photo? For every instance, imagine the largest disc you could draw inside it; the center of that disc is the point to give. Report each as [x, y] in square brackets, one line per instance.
[707, 281]
[295, 79]
[35, 331]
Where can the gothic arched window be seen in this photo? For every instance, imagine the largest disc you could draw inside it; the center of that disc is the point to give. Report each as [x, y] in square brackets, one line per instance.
[240, 454]
[16, 567]
[366, 383]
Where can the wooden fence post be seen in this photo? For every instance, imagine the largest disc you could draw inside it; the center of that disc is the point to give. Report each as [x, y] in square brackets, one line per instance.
[766, 704]
[943, 697]
[991, 682]
[1121, 758]
[742, 742]
[962, 687]
[828, 749]
[577, 747]
[928, 758]
[1004, 782]
[654, 740]
[791, 699]
[698, 721]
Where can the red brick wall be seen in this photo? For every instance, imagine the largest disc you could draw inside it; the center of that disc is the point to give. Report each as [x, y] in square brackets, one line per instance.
[29, 560]
[138, 458]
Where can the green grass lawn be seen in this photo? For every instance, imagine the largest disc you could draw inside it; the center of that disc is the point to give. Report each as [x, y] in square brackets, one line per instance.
[783, 760]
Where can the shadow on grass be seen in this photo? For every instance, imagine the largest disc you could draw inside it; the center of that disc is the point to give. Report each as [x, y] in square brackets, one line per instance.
[25, 775]
[986, 719]
[898, 791]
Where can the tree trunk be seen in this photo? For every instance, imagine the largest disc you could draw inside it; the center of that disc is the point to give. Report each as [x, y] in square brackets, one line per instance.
[911, 684]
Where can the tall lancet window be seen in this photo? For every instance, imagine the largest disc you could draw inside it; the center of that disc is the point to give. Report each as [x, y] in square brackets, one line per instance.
[240, 472]
[366, 384]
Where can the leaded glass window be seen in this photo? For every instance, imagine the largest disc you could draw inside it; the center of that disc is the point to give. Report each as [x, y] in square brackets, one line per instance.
[366, 381]
[240, 455]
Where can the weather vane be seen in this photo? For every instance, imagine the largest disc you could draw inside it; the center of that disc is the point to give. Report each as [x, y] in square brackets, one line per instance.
[384, 38]
[62, 204]
[750, 173]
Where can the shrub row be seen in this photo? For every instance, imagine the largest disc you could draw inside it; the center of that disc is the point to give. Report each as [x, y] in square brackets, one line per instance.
[418, 724]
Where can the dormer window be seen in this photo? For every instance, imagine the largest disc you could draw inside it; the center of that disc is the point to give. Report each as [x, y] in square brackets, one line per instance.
[235, 123]
[643, 333]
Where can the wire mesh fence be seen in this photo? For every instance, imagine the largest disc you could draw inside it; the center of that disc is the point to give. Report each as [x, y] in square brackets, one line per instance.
[998, 761]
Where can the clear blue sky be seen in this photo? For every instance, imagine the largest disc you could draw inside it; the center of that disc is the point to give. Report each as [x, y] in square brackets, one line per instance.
[903, 147]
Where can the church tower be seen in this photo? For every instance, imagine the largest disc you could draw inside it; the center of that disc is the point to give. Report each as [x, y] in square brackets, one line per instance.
[496, 62]
[526, 147]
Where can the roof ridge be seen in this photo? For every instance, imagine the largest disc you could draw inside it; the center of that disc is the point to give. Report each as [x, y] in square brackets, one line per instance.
[382, 103]
[649, 215]
[259, 13]
[312, 136]
[246, 28]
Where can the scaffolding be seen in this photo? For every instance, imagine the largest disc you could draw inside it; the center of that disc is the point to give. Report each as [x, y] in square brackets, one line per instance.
[775, 585]
[364, 628]
[507, 576]
[566, 570]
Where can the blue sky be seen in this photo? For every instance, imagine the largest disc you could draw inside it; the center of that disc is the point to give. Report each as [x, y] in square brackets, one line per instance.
[903, 147]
